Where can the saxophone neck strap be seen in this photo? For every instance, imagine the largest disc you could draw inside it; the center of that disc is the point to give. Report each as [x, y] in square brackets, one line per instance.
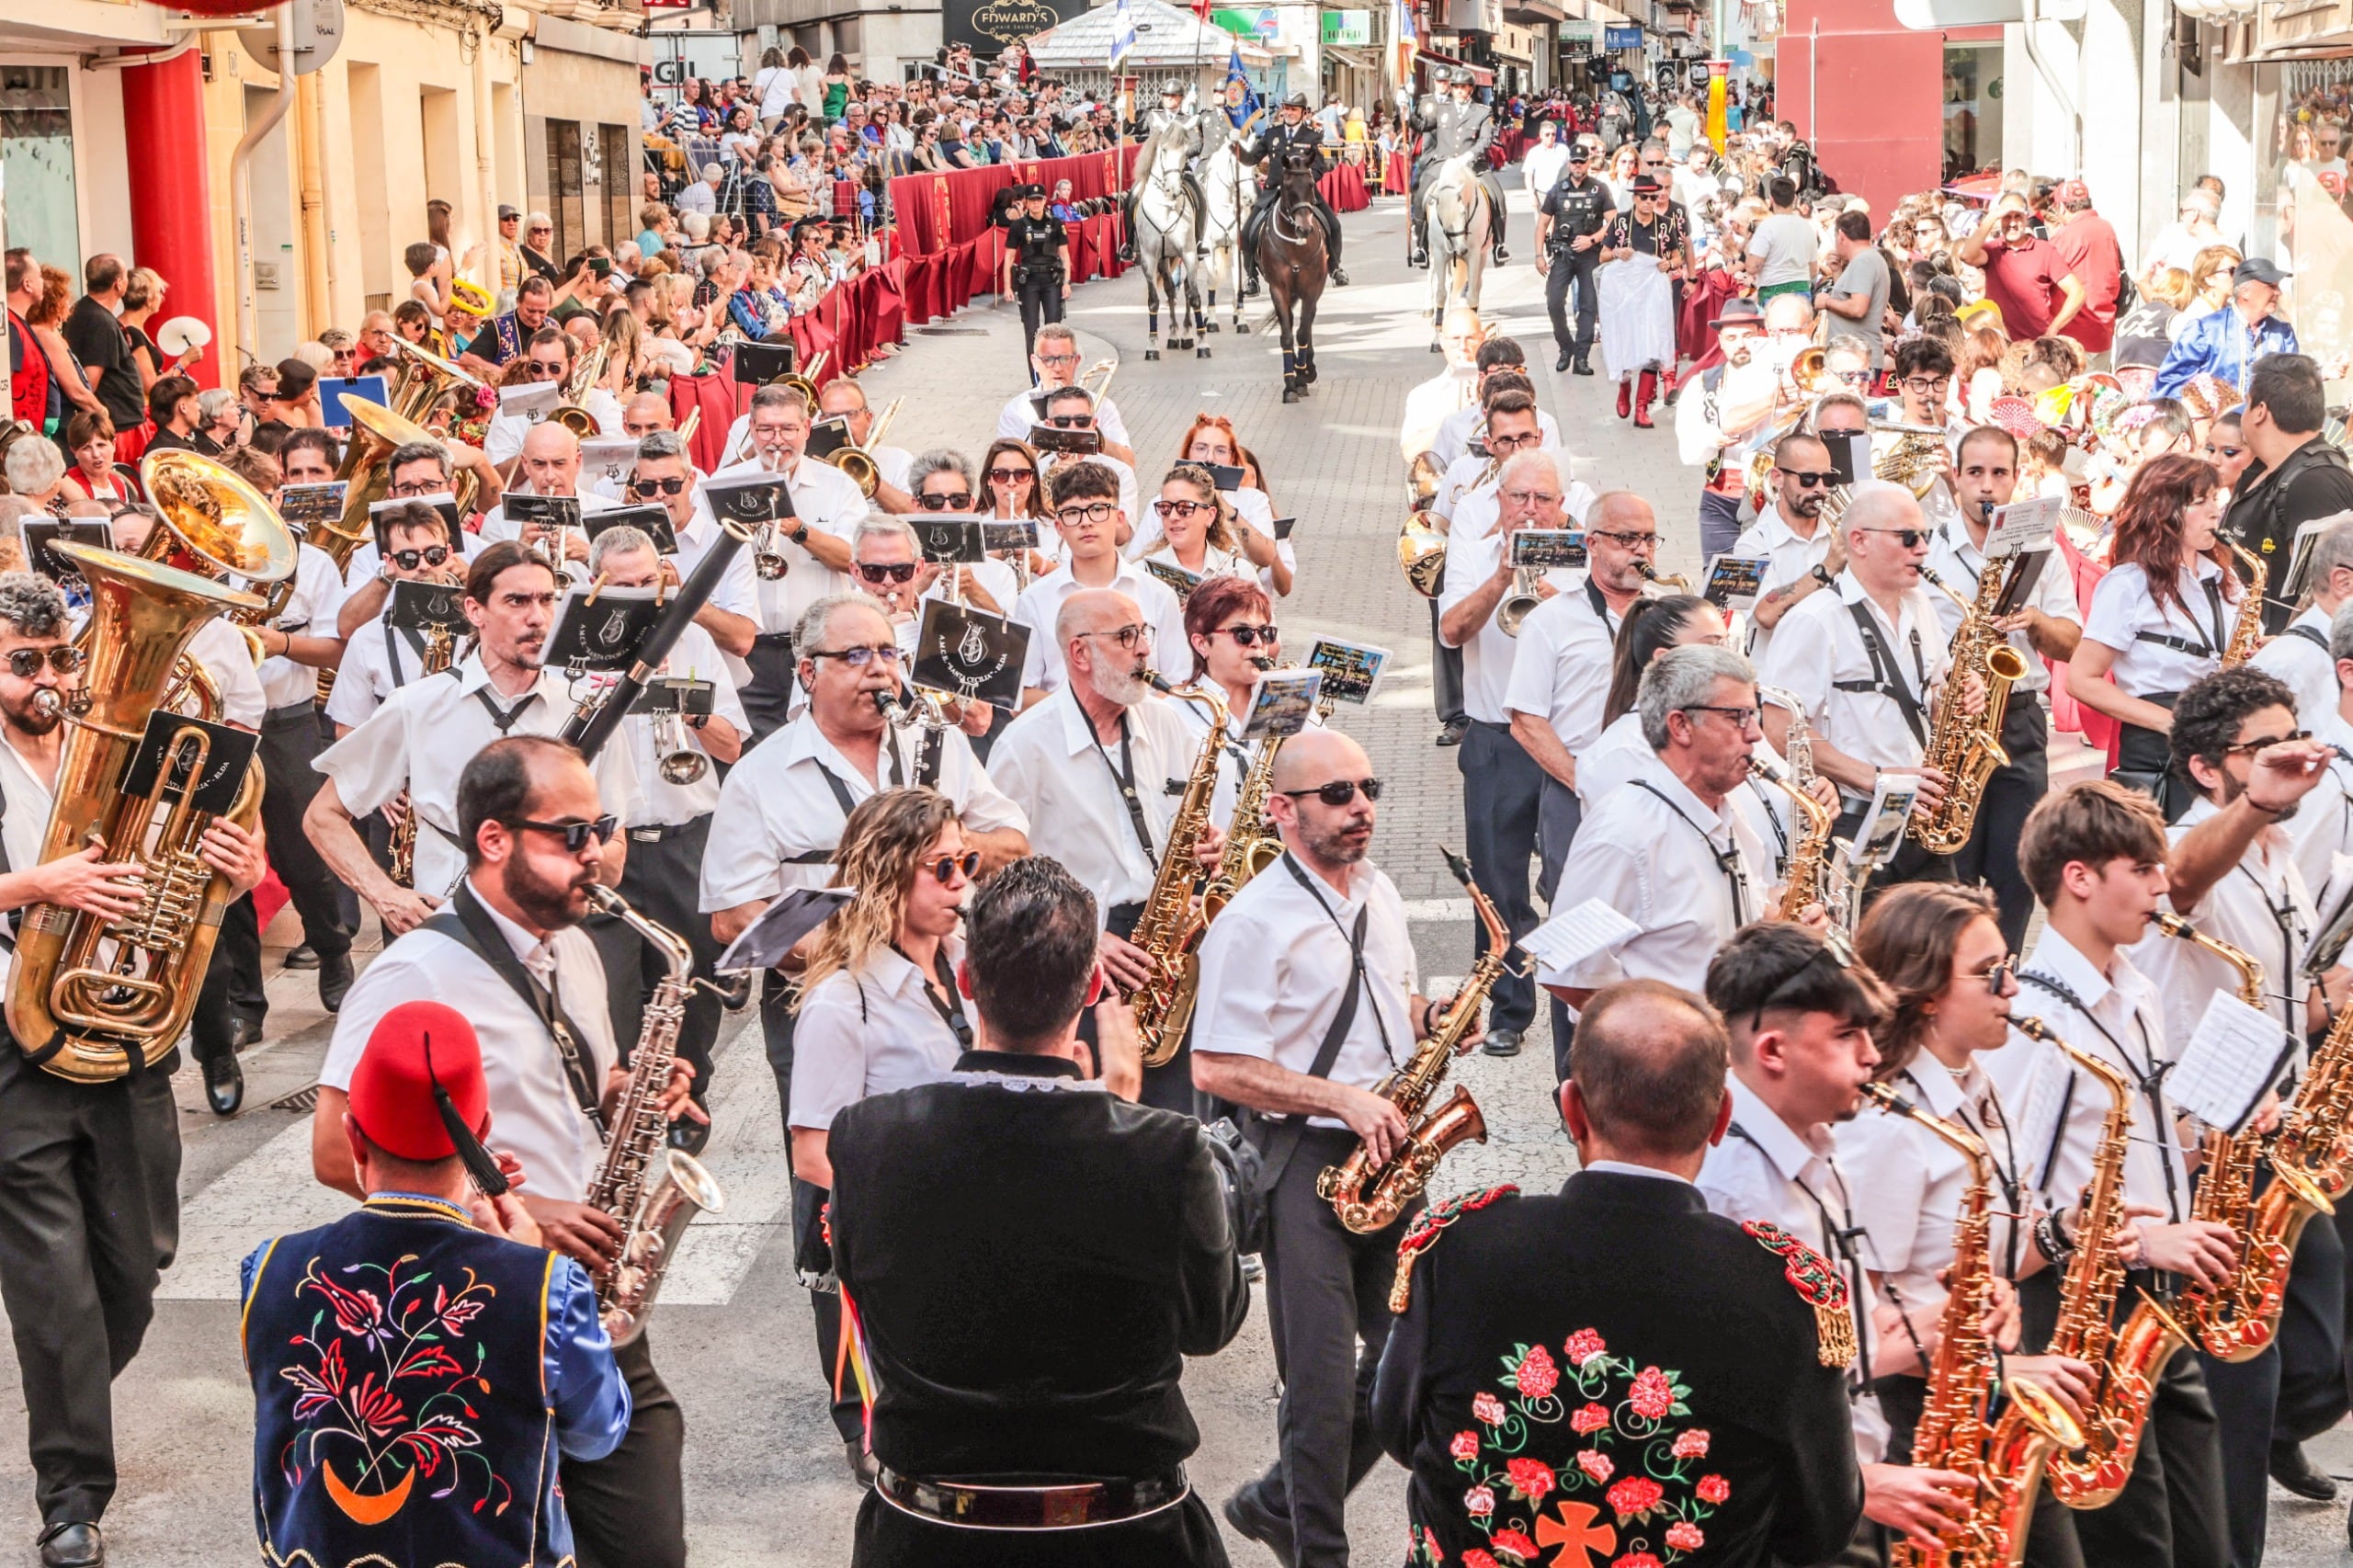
[468, 925]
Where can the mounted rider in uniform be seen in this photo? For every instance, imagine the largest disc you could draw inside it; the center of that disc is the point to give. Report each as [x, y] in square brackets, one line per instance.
[1143, 127]
[1455, 125]
[1267, 147]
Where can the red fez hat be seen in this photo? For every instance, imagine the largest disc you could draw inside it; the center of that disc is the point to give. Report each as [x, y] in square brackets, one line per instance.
[417, 1047]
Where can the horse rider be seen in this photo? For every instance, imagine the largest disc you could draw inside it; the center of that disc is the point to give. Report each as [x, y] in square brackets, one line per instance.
[1455, 125]
[1150, 123]
[1293, 129]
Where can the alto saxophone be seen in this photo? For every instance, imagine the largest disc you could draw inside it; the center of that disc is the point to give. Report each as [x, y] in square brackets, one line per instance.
[1169, 931]
[1368, 1195]
[1806, 881]
[655, 1213]
[1957, 1430]
[1968, 749]
[2247, 633]
[1250, 842]
[440, 641]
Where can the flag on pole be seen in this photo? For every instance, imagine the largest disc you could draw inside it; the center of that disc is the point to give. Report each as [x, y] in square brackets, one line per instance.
[1233, 73]
[1408, 38]
[1123, 36]
[1201, 8]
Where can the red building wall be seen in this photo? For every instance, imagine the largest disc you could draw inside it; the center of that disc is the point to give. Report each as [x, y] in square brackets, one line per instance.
[1880, 132]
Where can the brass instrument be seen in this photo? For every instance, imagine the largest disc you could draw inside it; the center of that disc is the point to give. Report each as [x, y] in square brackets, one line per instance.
[804, 382]
[1650, 574]
[652, 1215]
[375, 433]
[1956, 1430]
[424, 376]
[1250, 842]
[1909, 455]
[857, 462]
[1423, 476]
[572, 412]
[1107, 369]
[1170, 929]
[1420, 543]
[441, 644]
[2246, 632]
[1519, 601]
[680, 762]
[1367, 1197]
[1806, 881]
[1968, 749]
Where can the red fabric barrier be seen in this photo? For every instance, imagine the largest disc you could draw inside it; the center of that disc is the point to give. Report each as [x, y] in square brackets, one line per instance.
[936, 212]
[719, 399]
[1510, 145]
[1343, 186]
[1397, 175]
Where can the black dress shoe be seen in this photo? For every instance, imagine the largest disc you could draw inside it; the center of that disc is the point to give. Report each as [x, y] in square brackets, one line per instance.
[224, 1085]
[303, 957]
[334, 981]
[1502, 1042]
[1582, 368]
[2292, 1470]
[1450, 734]
[1562, 362]
[71, 1546]
[244, 1030]
[1502, 256]
[863, 1467]
[1253, 1521]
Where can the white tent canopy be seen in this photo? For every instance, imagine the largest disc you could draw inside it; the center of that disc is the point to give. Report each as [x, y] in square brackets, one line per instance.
[1167, 36]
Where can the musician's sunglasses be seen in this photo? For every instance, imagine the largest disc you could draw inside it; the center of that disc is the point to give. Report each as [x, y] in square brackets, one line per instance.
[575, 835]
[25, 662]
[945, 869]
[431, 555]
[954, 501]
[1012, 476]
[895, 572]
[1806, 480]
[1246, 636]
[1181, 510]
[659, 486]
[1998, 978]
[1071, 421]
[2245, 748]
[1340, 791]
[1910, 539]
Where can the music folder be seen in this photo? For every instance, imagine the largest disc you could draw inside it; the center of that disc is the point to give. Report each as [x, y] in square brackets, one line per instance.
[611, 456]
[653, 521]
[828, 437]
[750, 498]
[305, 506]
[949, 539]
[42, 537]
[421, 606]
[224, 763]
[440, 501]
[757, 364]
[546, 511]
[599, 629]
[779, 927]
[969, 654]
[533, 400]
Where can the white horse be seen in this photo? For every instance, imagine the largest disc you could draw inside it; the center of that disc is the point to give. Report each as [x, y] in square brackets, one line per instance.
[1232, 186]
[1457, 220]
[1166, 235]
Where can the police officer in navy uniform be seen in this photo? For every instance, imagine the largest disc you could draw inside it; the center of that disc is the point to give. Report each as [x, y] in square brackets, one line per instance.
[1614, 1368]
[1265, 148]
[1568, 220]
[1454, 124]
[1034, 266]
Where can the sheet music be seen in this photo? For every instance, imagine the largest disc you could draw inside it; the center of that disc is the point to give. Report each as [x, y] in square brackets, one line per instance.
[2235, 1055]
[1577, 933]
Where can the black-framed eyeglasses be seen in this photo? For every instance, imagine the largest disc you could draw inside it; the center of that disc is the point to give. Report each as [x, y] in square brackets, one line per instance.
[659, 486]
[431, 555]
[575, 835]
[1808, 481]
[1127, 636]
[2248, 748]
[1247, 636]
[409, 489]
[1340, 791]
[1092, 512]
[1742, 717]
[1512, 443]
[1924, 385]
[1852, 378]
[1910, 539]
[892, 572]
[944, 869]
[860, 655]
[1180, 510]
[25, 662]
[954, 501]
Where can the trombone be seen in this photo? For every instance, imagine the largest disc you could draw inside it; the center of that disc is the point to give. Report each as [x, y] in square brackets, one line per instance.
[857, 462]
[572, 412]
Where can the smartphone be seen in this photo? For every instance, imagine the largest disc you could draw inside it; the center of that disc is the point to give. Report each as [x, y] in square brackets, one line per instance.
[600, 266]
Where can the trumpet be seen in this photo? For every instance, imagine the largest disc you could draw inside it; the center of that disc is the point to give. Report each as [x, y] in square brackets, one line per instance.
[857, 462]
[680, 764]
[1520, 603]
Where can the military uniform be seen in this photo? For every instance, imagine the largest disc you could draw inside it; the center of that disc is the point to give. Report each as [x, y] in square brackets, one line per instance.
[1618, 1371]
[1453, 129]
[1578, 205]
[1267, 147]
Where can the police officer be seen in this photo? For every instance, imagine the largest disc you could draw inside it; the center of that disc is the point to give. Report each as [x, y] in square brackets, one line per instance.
[1146, 126]
[1568, 252]
[1454, 125]
[1293, 129]
[1034, 265]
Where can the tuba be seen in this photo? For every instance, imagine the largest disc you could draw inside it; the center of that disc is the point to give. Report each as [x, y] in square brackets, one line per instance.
[1368, 1197]
[1969, 749]
[2246, 632]
[376, 434]
[92, 998]
[1170, 928]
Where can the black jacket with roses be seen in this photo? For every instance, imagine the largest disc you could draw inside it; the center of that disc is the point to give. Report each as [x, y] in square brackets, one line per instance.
[1616, 1373]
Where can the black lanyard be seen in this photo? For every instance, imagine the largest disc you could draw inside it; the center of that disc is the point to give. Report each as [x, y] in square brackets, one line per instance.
[1887, 675]
[2149, 1081]
[1123, 775]
[951, 1012]
[503, 719]
[1838, 1241]
[2006, 1169]
[1358, 984]
[467, 924]
[1728, 859]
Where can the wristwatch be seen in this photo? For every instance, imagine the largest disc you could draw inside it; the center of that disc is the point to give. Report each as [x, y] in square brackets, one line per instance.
[1821, 575]
[800, 535]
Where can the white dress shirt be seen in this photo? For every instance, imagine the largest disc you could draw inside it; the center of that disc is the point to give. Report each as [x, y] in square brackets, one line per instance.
[421, 740]
[228, 658]
[868, 1033]
[1688, 875]
[1819, 645]
[310, 612]
[2304, 665]
[2321, 828]
[1451, 391]
[1021, 412]
[1621, 752]
[378, 660]
[738, 590]
[2123, 617]
[534, 1114]
[777, 822]
[1049, 761]
[1789, 555]
[1274, 969]
[1909, 1184]
[659, 803]
[1488, 654]
[1234, 758]
[1041, 604]
[2260, 907]
[1455, 433]
[24, 807]
[1961, 564]
[1560, 673]
[825, 498]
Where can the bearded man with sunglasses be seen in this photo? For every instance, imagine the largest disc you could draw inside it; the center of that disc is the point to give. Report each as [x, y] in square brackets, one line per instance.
[509, 953]
[1803, 555]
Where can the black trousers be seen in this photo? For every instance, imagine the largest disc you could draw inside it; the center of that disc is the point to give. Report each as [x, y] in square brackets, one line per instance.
[1182, 1536]
[89, 1218]
[662, 881]
[2050, 1537]
[849, 1415]
[232, 983]
[767, 695]
[1446, 674]
[1327, 1308]
[2144, 762]
[1501, 785]
[1042, 301]
[1719, 523]
[1573, 268]
[1558, 812]
[1991, 856]
[629, 1509]
[289, 741]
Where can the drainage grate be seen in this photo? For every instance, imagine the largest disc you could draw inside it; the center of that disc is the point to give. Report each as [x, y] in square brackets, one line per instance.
[303, 1099]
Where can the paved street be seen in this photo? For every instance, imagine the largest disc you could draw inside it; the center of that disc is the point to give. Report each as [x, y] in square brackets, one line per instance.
[765, 1475]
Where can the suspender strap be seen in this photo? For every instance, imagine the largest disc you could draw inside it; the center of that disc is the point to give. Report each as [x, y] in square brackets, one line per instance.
[468, 925]
[2311, 634]
[1887, 677]
[2203, 646]
[951, 1012]
[1283, 1141]
[833, 782]
[2151, 1083]
[393, 651]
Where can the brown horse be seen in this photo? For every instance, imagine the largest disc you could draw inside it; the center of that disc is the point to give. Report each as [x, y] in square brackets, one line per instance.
[1291, 259]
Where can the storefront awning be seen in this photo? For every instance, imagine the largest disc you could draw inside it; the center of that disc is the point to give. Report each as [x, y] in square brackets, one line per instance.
[1937, 15]
[2298, 30]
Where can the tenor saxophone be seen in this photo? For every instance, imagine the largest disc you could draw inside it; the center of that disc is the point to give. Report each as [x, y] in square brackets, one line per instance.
[440, 641]
[2246, 632]
[1169, 931]
[1965, 748]
[1368, 1194]
[1957, 1431]
[653, 1212]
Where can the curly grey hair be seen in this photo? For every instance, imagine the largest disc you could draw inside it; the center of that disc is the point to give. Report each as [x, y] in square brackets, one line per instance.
[32, 606]
[1684, 678]
[34, 464]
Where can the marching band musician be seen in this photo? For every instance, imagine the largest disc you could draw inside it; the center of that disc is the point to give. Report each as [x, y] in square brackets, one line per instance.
[2321, 828]
[1089, 518]
[1742, 403]
[1467, 490]
[670, 827]
[1867, 661]
[887, 564]
[1054, 360]
[1310, 996]
[1622, 1274]
[2299, 656]
[509, 954]
[1073, 409]
[1497, 357]
[551, 356]
[1802, 551]
[548, 1369]
[1452, 390]
[421, 739]
[1210, 439]
[378, 657]
[89, 1172]
[412, 471]
[1107, 822]
[843, 398]
[1230, 625]
[2048, 626]
[549, 465]
[1074, 1301]
[1214, 535]
[664, 476]
[1922, 370]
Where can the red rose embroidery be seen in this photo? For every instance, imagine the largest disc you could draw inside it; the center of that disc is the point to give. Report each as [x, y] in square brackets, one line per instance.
[1474, 1558]
[1487, 1408]
[1514, 1545]
[1652, 1396]
[1592, 1418]
[1479, 1502]
[1529, 1478]
[1536, 1374]
[1692, 1445]
[1638, 1560]
[1584, 1346]
[1429, 1543]
[1685, 1536]
[1465, 1447]
[1635, 1494]
[1713, 1489]
[1596, 1465]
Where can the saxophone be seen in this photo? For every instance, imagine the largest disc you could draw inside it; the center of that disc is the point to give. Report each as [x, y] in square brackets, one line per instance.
[1250, 842]
[2239, 1321]
[1171, 925]
[1956, 1430]
[2247, 633]
[1968, 749]
[440, 641]
[1806, 879]
[1369, 1197]
[655, 1213]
